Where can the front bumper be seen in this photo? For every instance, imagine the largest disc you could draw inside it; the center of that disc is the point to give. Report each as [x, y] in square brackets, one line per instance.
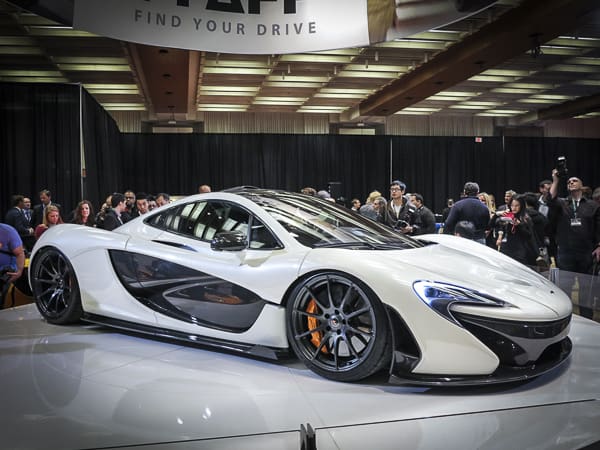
[525, 350]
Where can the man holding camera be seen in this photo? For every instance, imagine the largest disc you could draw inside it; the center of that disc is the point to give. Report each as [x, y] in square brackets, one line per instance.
[12, 258]
[577, 224]
[400, 212]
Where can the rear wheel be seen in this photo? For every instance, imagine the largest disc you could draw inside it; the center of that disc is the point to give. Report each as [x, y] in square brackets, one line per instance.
[55, 287]
[338, 327]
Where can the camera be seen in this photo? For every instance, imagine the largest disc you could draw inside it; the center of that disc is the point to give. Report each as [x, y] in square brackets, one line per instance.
[401, 224]
[561, 167]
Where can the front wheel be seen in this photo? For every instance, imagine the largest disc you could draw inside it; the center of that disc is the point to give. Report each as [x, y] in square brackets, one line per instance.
[338, 327]
[55, 287]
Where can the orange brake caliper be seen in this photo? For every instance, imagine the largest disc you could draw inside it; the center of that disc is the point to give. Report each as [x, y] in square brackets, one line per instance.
[313, 322]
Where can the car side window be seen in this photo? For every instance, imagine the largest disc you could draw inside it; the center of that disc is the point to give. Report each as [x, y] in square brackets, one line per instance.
[261, 237]
[202, 220]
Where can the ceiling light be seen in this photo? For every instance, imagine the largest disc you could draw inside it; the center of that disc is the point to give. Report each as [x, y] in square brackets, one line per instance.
[461, 106]
[558, 50]
[530, 85]
[36, 79]
[506, 111]
[576, 68]
[124, 106]
[104, 86]
[504, 90]
[587, 82]
[316, 58]
[552, 97]
[94, 67]
[282, 99]
[538, 101]
[237, 70]
[113, 91]
[478, 103]
[460, 93]
[372, 73]
[584, 60]
[57, 31]
[277, 102]
[412, 113]
[291, 84]
[421, 109]
[328, 90]
[221, 107]
[297, 78]
[224, 63]
[493, 79]
[30, 73]
[377, 68]
[345, 95]
[324, 108]
[438, 35]
[414, 44]
[508, 72]
[569, 41]
[230, 88]
[88, 60]
[442, 98]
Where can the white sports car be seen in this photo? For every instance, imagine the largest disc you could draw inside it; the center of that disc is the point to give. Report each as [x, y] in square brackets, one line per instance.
[262, 272]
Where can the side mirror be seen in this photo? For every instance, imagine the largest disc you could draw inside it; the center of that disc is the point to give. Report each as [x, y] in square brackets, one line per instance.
[232, 241]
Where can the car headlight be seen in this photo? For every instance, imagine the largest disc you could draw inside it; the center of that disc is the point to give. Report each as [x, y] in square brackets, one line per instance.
[440, 296]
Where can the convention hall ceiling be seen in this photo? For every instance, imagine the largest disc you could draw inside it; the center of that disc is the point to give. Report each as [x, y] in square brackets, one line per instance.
[527, 60]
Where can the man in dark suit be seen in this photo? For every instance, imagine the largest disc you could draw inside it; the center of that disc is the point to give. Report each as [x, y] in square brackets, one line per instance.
[112, 218]
[38, 210]
[15, 217]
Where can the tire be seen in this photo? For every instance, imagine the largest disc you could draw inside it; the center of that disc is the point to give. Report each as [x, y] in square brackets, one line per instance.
[55, 288]
[338, 327]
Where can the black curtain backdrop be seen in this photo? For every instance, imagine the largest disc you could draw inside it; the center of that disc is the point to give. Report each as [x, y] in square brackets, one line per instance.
[39, 137]
[103, 159]
[178, 164]
[436, 167]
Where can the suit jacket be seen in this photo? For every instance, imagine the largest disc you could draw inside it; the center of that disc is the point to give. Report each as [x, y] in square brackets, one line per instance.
[16, 219]
[111, 220]
[37, 216]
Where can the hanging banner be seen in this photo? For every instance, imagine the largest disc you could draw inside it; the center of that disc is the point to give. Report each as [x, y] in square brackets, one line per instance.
[265, 26]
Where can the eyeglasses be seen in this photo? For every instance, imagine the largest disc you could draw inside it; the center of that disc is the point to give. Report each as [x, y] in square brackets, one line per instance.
[395, 189]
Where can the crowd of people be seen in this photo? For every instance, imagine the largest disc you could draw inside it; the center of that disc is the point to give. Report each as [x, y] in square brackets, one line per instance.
[538, 229]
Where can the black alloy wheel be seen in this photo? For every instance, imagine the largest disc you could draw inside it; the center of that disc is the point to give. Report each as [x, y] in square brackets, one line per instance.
[338, 327]
[55, 288]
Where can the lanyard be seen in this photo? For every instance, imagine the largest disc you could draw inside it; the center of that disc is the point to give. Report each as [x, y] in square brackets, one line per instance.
[575, 206]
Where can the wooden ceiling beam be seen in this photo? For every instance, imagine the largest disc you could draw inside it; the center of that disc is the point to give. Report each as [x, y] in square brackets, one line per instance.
[512, 34]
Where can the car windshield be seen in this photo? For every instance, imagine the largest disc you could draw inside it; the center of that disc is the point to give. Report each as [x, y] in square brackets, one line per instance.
[319, 223]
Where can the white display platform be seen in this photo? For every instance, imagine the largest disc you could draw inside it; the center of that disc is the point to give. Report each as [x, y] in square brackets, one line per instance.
[81, 387]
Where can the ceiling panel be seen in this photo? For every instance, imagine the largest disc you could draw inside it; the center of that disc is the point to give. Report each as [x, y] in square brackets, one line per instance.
[437, 72]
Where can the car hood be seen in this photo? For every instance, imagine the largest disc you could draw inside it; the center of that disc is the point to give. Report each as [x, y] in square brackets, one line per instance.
[474, 266]
[456, 261]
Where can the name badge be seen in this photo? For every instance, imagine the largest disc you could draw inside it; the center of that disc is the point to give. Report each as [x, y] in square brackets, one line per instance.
[576, 222]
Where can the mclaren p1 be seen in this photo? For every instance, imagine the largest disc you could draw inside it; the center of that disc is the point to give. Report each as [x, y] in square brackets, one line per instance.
[272, 274]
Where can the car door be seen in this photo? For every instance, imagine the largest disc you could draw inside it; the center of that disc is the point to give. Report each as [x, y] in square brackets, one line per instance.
[222, 291]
